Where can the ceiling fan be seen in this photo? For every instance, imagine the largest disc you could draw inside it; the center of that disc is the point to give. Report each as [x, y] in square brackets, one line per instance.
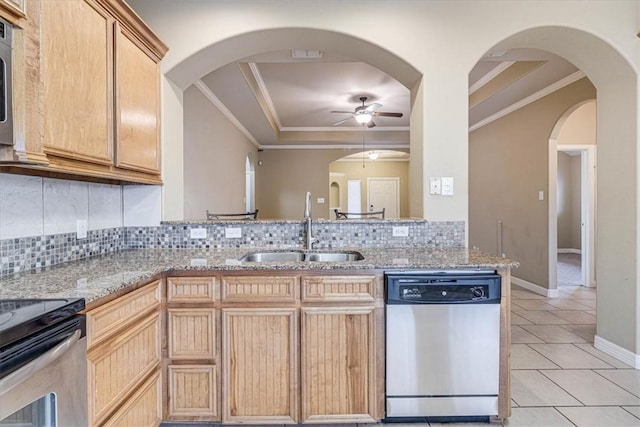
[364, 113]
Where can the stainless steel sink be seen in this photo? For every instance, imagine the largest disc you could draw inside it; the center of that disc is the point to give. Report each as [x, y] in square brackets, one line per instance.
[273, 257]
[333, 256]
[299, 256]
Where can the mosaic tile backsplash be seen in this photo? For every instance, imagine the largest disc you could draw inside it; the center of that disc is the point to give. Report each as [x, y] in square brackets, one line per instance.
[23, 254]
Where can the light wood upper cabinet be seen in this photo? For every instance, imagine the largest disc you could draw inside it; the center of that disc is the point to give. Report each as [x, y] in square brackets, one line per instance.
[86, 92]
[137, 105]
[78, 81]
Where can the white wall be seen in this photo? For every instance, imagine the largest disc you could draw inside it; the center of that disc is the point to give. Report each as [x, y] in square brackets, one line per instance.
[34, 206]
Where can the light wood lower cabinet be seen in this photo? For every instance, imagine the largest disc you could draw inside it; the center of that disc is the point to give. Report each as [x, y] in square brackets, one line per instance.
[193, 391]
[338, 363]
[193, 348]
[123, 359]
[277, 348]
[259, 365]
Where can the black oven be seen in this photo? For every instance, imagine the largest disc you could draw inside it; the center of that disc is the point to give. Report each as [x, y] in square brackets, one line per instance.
[6, 108]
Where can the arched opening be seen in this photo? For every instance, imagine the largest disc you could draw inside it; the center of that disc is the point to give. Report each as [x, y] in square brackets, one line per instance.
[334, 196]
[572, 197]
[616, 231]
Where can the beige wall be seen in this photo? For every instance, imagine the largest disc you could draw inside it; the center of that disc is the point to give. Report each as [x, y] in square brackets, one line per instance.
[377, 169]
[569, 201]
[508, 166]
[600, 41]
[215, 152]
[580, 126]
[285, 176]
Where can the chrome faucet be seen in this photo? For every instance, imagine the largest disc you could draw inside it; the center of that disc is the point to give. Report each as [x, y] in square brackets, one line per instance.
[307, 217]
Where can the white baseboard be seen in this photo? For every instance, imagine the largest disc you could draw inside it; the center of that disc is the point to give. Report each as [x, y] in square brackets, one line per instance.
[540, 290]
[614, 350]
[569, 251]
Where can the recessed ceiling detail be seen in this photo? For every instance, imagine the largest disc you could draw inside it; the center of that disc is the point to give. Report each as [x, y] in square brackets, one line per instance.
[281, 101]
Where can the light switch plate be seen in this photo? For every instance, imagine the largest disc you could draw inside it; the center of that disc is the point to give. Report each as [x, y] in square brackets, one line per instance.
[198, 233]
[447, 186]
[233, 232]
[540, 195]
[400, 231]
[320, 200]
[435, 186]
[81, 229]
[198, 262]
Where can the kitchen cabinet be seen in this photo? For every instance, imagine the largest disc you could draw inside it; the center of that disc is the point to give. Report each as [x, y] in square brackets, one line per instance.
[259, 344]
[90, 73]
[192, 349]
[13, 11]
[123, 359]
[330, 374]
[78, 81]
[338, 349]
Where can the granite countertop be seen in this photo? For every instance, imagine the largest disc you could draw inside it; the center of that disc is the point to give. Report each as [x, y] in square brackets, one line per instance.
[98, 277]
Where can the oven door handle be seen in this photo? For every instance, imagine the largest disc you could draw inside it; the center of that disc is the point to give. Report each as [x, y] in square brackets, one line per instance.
[19, 376]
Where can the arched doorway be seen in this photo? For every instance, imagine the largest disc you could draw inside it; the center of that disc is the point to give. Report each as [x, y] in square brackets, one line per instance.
[572, 197]
[613, 77]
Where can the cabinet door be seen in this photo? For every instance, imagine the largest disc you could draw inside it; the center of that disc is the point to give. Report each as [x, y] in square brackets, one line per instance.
[192, 333]
[259, 366]
[338, 365]
[192, 391]
[118, 365]
[78, 80]
[137, 106]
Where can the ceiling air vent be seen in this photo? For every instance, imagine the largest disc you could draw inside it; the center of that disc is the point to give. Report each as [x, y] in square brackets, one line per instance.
[306, 54]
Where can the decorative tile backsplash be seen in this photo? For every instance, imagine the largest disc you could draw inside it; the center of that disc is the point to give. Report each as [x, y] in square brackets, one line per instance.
[26, 253]
[41, 251]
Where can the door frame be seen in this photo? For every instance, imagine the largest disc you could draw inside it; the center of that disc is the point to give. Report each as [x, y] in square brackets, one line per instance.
[395, 180]
[588, 211]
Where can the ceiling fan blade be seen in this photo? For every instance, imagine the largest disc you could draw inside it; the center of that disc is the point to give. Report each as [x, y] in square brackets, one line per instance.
[371, 124]
[341, 121]
[343, 112]
[373, 107]
[385, 114]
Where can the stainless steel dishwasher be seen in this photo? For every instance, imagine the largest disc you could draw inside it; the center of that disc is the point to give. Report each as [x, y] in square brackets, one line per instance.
[442, 345]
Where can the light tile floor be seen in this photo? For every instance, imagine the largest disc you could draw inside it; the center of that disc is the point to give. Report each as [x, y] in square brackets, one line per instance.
[558, 378]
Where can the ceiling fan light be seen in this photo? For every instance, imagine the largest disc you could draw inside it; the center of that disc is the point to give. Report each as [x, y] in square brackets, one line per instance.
[363, 118]
[373, 155]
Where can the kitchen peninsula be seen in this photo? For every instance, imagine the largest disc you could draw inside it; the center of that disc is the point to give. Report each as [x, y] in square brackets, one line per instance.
[207, 337]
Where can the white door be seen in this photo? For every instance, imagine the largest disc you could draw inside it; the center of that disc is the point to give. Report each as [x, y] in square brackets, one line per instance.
[354, 197]
[384, 193]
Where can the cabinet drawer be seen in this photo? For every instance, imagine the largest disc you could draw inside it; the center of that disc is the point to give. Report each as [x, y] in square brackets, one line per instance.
[192, 391]
[118, 365]
[190, 289]
[111, 317]
[144, 409]
[259, 288]
[338, 288]
[192, 333]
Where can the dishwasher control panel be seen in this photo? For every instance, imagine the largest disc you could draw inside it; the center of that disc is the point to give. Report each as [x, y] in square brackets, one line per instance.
[442, 288]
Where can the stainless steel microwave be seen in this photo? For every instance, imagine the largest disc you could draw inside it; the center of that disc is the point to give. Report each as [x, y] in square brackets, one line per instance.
[6, 108]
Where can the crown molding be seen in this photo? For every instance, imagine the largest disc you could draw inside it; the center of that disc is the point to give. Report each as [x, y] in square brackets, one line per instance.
[346, 129]
[369, 147]
[495, 72]
[266, 96]
[224, 110]
[571, 78]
